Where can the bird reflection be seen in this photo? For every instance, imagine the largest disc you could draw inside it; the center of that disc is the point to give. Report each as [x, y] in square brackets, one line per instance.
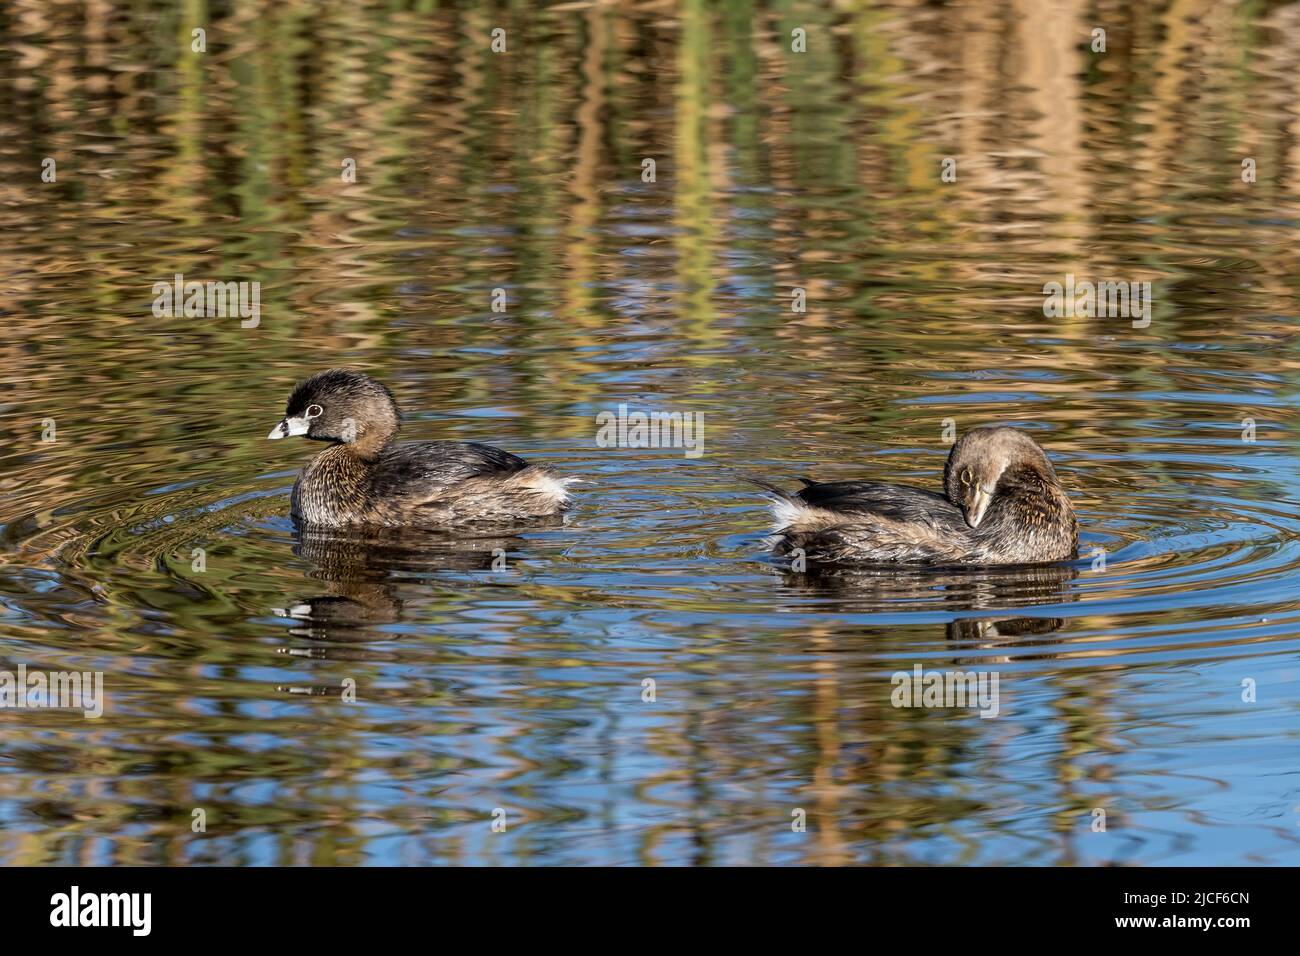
[362, 570]
[957, 590]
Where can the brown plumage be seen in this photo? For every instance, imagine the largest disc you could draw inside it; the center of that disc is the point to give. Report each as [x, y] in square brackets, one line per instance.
[1003, 505]
[366, 478]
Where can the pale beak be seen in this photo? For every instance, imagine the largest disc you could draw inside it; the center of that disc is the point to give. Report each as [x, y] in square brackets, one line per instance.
[979, 504]
[290, 427]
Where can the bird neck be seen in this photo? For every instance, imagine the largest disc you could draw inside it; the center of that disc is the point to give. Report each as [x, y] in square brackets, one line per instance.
[368, 446]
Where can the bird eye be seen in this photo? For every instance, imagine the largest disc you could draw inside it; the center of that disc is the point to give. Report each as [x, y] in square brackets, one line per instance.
[315, 411]
[965, 476]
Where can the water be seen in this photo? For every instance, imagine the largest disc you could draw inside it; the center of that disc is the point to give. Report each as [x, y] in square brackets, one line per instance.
[521, 689]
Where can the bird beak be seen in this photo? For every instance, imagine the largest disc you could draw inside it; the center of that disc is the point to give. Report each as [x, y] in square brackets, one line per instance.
[290, 427]
[979, 504]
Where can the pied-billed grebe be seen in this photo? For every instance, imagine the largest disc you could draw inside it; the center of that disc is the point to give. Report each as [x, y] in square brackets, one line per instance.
[1004, 505]
[367, 479]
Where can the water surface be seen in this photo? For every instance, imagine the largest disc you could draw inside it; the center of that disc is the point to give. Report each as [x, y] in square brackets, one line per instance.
[507, 672]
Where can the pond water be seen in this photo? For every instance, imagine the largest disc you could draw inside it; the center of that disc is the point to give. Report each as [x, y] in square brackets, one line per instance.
[798, 271]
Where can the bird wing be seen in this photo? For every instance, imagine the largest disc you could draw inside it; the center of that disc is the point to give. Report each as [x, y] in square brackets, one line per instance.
[894, 502]
[425, 467]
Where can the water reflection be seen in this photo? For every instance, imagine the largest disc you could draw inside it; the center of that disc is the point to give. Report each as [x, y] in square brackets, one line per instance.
[989, 632]
[362, 569]
[867, 590]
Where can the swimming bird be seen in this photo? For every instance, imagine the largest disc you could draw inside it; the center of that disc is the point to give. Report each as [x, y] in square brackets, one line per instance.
[367, 478]
[1002, 504]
